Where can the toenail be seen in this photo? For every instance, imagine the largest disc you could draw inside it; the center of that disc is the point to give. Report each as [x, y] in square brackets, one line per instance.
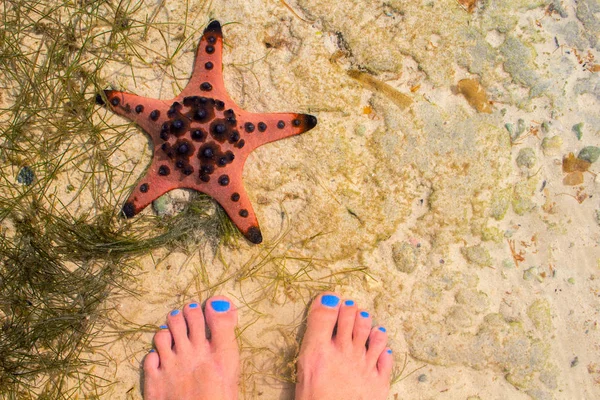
[382, 329]
[330, 300]
[194, 305]
[174, 312]
[163, 327]
[220, 305]
[389, 351]
[349, 303]
[364, 314]
[152, 351]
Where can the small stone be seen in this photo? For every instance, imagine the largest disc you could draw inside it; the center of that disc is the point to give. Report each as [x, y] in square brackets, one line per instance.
[520, 127]
[511, 130]
[526, 158]
[574, 362]
[531, 273]
[478, 255]
[162, 205]
[539, 313]
[578, 129]
[26, 176]
[499, 204]
[545, 127]
[422, 378]
[476, 301]
[589, 154]
[552, 145]
[492, 233]
[404, 256]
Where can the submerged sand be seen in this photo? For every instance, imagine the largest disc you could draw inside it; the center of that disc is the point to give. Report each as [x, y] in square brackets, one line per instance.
[443, 211]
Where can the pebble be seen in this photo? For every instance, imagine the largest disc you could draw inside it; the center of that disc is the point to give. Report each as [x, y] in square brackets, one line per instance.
[552, 145]
[26, 176]
[589, 154]
[526, 158]
[578, 129]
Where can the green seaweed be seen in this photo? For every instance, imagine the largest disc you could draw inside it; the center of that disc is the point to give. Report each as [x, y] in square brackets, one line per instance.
[64, 249]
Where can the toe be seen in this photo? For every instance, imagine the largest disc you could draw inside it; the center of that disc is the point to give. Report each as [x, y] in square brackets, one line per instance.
[151, 376]
[385, 363]
[151, 363]
[345, 322]
[195, 323]
[322, 318]
[178, 329]
[377, 343]
[163, 341]
[221, 318]
[362, 329]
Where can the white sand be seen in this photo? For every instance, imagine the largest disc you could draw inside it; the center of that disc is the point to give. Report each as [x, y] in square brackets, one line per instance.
[426, 199]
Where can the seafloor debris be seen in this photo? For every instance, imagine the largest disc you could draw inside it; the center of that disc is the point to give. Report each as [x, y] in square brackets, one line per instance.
[574, 167]
[475, 95]
[552, 145]
[468, 5]
[400, 99]
[26, 176]
[526, 158]
[589, 154]
[578, 129]
[477, 255]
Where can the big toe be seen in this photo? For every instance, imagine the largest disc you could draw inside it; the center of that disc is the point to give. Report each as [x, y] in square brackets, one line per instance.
[221, 318]
[322, 318]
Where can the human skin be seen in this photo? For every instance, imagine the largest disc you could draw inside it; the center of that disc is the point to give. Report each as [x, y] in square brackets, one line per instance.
[342, 356]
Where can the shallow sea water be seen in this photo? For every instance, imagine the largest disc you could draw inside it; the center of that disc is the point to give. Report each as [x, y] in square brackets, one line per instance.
[451, 224]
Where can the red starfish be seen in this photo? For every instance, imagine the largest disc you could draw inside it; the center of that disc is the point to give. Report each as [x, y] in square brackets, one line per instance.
[202, 138]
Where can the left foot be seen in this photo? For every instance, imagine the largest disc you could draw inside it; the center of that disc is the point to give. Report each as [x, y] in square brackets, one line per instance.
[189, 366]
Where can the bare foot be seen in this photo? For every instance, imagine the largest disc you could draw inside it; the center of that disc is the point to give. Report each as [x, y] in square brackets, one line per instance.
[340, 366]
[189, 366]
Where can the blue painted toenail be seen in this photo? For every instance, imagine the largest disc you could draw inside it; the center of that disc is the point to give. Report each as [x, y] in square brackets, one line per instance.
[389, 351]
[330, 300]
[364, 314]
[194, 305]
[163, 327]
[382, 329]
[152, 351]
[349, 303]
[220, 305]
[174, 312]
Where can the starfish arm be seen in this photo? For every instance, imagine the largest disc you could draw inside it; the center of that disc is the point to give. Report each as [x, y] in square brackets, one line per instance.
[146, 113]
[150, 187]
[207, 75]
[236, 203]
[276, 126]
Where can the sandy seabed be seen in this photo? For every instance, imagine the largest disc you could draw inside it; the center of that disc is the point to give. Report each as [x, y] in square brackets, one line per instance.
[432, 191]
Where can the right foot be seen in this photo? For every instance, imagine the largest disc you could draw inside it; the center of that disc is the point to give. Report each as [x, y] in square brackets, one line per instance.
[187, 365]
[352, 364]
